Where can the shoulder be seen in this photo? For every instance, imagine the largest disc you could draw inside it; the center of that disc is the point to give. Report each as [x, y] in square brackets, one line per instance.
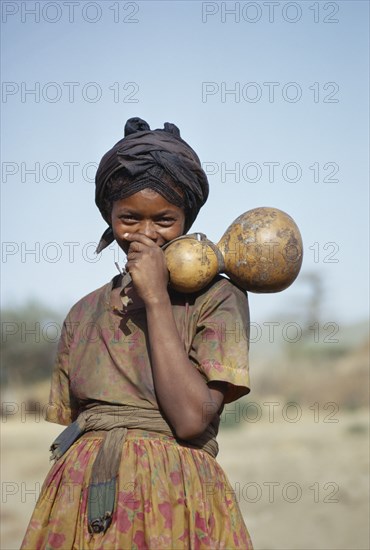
[220, 296]
[92, 302]
[222, 289]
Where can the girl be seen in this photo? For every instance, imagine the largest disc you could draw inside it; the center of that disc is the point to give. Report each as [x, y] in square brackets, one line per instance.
[142, 374]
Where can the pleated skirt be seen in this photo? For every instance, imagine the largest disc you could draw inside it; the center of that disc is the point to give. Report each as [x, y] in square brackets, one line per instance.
[169, 497]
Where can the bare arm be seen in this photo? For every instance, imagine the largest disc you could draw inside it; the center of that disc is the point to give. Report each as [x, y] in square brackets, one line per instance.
[187, 401]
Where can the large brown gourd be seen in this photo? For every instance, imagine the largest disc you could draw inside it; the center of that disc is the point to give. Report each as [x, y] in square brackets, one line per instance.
[261, 251]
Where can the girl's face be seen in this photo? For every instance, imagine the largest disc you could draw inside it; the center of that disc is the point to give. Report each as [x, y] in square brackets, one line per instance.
[148, 213]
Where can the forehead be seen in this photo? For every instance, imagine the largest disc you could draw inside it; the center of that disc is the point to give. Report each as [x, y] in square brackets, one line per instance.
[146, 201]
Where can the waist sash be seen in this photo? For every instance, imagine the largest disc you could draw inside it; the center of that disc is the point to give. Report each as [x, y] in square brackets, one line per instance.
[116, 420]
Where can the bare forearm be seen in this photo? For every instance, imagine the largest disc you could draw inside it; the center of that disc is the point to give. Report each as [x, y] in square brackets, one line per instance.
[182, 392]
[186, 399]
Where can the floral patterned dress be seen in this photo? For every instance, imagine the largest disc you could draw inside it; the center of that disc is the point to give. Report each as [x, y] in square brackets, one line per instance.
[169, 495]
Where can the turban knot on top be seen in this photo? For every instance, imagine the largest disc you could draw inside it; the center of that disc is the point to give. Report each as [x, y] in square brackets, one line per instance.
[156, 159]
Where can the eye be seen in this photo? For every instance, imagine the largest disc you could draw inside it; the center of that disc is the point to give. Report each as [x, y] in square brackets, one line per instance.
[128, 218]
[165, 220]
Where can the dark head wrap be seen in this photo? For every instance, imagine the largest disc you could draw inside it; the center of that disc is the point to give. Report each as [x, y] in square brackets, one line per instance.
[154, 159]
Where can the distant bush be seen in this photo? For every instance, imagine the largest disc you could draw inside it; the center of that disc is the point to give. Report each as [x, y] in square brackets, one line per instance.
[29, 338]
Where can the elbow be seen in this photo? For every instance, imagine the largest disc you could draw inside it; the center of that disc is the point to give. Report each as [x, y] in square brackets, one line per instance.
[190, 428]
[189, 434]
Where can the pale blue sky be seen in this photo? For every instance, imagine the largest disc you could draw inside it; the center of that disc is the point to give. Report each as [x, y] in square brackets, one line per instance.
[167, 56]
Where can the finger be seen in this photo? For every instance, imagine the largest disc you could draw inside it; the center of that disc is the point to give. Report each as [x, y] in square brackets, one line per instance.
[138, 237]
[136, 246]
[130, 266]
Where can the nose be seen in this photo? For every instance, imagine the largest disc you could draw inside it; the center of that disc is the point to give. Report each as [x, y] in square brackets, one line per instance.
[148, 229]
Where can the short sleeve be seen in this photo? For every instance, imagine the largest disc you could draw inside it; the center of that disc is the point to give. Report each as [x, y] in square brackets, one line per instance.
[62, 407]
[220, 348]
